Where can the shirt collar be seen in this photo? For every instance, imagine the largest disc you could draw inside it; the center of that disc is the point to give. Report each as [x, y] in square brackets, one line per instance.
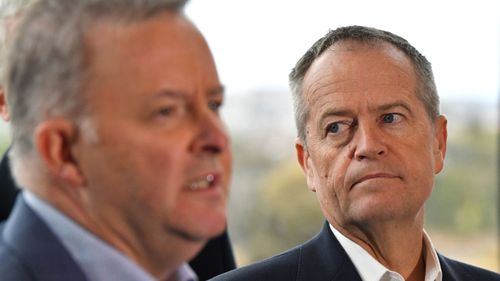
[97, 259]
[184, 273]
[371, 270]
[432, 265]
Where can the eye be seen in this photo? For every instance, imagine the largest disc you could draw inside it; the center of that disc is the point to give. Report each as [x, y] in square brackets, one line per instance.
[338, 127]
[391, 118]
[215, 105]
[166, 111]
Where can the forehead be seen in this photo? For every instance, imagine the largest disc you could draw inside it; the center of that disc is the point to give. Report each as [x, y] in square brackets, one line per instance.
[168, 33]
[165, 51]
[352, 69]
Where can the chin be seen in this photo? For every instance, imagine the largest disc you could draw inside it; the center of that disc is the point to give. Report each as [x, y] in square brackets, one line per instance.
[213, 226]
[200, 221]
[378, 215]
[206, 227]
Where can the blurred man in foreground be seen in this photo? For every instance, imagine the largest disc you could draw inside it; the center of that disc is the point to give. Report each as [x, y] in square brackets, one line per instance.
[117, 143]
[370, 141]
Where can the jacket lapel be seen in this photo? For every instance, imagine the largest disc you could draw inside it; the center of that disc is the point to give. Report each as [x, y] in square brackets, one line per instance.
[323, 258]
[37, 247]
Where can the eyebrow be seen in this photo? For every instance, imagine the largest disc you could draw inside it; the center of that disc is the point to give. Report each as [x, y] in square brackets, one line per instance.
[170, 93]
[392, 105]
[176, 94]
[335, 112]
[348, 112]
[218, 90]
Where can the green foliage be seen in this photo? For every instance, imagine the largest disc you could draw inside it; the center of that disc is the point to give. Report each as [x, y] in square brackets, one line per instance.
[286, 213]
[464, 196]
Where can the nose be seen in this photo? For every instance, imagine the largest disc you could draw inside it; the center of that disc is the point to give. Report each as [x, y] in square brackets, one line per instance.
[369, 143]
[212, 137]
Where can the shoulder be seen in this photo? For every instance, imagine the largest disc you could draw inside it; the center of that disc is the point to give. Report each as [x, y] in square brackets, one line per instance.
[30, 251]
[11, 267]
[284, 266]
[456, 270]
[320, 258]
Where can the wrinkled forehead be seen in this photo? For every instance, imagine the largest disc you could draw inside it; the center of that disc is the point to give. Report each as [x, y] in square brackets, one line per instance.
[372, 46]
[341, 60]
[353, 69]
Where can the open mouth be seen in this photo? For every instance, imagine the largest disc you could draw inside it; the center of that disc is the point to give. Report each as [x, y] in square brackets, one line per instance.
[203, 183]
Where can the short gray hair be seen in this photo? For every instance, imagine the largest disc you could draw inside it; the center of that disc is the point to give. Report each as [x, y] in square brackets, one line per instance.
[46, 68]
[9, 10]
[426, 91]
[12, 7]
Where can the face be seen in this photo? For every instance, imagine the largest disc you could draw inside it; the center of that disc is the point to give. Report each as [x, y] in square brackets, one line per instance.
[159, 162]
[371, 151]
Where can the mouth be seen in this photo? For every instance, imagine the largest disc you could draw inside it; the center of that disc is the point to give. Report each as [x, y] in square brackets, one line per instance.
[374, 176]
[204, 182]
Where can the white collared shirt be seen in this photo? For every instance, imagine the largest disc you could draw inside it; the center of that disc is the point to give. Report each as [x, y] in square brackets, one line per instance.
[97, 259]
[371, 270]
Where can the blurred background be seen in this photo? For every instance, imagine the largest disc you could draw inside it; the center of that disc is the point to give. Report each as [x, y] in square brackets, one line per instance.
[256, 43]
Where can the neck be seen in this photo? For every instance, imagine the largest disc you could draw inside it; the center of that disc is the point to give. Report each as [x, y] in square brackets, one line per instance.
[164, 260]
[398, 245]
[158, 252]
[418, 272]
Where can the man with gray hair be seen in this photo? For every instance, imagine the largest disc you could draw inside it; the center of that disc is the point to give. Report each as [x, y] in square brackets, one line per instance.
[117, 143]
[370, 142]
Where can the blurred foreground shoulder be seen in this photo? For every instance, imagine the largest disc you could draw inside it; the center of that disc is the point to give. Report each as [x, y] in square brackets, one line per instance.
[11, 268]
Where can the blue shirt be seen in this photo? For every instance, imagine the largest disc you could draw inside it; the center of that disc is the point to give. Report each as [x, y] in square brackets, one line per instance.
[97, 259]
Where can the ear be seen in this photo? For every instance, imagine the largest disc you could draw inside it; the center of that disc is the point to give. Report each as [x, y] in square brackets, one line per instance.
[3, 105]
[305, 162]
[440, 139]
[54, 140]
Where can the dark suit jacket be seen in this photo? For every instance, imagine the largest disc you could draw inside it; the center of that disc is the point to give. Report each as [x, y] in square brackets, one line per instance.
[29, 250]
[216, 258]
[8, 190]
[323, 258]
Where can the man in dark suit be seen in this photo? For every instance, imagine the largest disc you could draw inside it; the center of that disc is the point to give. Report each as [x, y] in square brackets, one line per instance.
[117, 144]
[370, 141]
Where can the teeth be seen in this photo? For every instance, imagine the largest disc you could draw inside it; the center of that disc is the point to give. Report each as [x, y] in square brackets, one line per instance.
[210, 178]
[202, 183]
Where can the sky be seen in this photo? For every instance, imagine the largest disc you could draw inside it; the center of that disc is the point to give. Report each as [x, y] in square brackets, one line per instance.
[256, 43]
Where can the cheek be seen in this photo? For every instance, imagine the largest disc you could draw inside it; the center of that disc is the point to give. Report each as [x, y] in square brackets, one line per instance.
[330, 197]
[340, 165]
[160, 165]
[147, 166]
[330, 176]
[426, 174]
[227, 163]
[419, 165]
